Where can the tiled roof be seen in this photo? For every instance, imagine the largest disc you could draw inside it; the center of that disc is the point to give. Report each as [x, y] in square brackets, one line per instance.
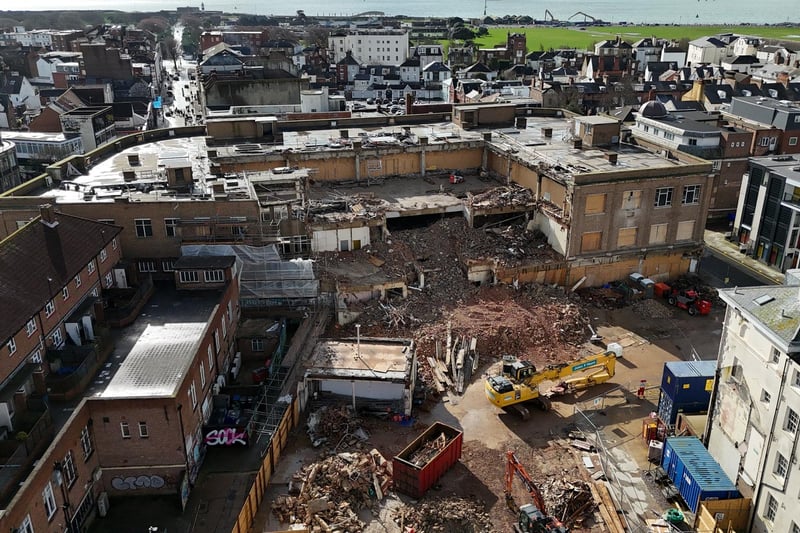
[36, 253]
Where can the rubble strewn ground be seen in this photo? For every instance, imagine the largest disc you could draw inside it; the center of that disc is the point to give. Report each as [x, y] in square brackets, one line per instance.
[445, 515]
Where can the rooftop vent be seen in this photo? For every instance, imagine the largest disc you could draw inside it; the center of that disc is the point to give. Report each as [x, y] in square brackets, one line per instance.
[764, 299]
[133, 160]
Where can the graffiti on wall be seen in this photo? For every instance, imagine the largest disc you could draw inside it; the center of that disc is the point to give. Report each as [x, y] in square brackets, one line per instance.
[226, 437]
[138, 482]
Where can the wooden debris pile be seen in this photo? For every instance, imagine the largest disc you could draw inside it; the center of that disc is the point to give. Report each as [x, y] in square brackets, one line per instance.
[327, 495]
[335, 425]
[397, 315]
[569, 501]
[453, 367]
[425, 453]
[445, 515]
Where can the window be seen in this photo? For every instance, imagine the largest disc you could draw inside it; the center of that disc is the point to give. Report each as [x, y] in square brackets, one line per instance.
[692, 142]
[144, 227]
[12, 347]
[202, 375]
[36, 358]
[189, 276]
[658, 233]
[685, 230]
[670, 136]
[792, 141]
[58, 340]
[796, 380]
[49, 308]
[691, 195]
[143, 430]
[595, 204]
[781, 465]
[103, 255]
[663, 197]
[77, 281]
[763, 141]
[193, 395]
[168, 265]
[212, 276]
[30, 327]
[591, 240]
[216, 340]
[632, 199]
[90, 267]
[86, 443]
[109, 280]
[210, 358]
[170, 226]
[26, 526]
[795, 528]
[257, 345]
[125, 430]
[792, 420]
[776, 356]
[50, 506]
[65, 293]
[230, 311]
[68, 469]
[147, 266]
[114, 243]
[765, 396]
[626, 237]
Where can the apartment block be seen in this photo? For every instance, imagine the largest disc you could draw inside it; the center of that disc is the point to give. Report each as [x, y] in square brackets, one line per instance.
[370, 47]
[755, 410]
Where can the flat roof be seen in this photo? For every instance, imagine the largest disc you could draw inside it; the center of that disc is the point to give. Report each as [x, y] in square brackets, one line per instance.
[35, 136]
[776, 308]
[597, 119]
[105, 182]
[371, 358]
[558, 152]
[158, 362]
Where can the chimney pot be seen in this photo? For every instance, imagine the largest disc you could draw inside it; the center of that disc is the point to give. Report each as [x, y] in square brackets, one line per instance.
[48, 215]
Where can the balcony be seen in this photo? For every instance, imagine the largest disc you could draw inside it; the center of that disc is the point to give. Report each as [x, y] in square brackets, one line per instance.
[73, 367]
[33, 432]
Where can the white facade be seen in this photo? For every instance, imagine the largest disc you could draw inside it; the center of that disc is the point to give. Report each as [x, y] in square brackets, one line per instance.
[673, 55]
[673, 136]
[340, 240]
[43, 146]
[703, 52]
[754, 417]
[32, 38]
[371, 47]
[746, 46]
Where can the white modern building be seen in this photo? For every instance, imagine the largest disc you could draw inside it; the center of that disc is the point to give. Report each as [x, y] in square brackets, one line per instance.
[754, 416]
[370, 47]
[33, 146]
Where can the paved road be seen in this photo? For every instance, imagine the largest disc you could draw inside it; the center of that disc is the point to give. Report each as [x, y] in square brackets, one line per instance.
[716, 269]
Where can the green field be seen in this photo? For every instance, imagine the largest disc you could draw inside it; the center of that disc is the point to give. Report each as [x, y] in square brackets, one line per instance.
[546, 38]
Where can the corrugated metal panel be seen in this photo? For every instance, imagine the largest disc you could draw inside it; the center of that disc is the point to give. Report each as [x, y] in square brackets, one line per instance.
[696, 475]
[668, 409]
[688, 381]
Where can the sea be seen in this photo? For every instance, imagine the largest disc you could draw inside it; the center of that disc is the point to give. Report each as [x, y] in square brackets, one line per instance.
[722, 12]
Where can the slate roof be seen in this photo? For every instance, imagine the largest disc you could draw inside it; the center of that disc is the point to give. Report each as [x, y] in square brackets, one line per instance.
[478, 67]
[348, 59]
[37, 252]
[436, 66]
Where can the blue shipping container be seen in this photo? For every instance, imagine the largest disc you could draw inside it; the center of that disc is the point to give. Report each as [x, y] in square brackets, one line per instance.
[696, 475]
[668, 409]
[688, 382]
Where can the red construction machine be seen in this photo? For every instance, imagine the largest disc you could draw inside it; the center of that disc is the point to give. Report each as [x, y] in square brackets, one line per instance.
[532, 518]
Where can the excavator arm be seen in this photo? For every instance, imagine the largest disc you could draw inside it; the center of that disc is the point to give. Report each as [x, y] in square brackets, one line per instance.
[514, 467]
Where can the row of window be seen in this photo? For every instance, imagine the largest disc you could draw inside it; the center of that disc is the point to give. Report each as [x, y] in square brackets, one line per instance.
[209, 276]
[596, 203]
[144, 227]
[50, 305]
[591, 241]
[125, 429]
[68, 473]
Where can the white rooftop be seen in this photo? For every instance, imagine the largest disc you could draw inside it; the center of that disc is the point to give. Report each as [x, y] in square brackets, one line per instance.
[158, 362]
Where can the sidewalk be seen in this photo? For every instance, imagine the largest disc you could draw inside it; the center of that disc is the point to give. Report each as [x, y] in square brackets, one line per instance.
[719, 245]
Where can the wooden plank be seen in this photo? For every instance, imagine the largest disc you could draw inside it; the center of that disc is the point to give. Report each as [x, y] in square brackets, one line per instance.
[605, 497]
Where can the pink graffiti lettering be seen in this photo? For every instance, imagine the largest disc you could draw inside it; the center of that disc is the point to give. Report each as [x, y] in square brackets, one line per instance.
[226, 437]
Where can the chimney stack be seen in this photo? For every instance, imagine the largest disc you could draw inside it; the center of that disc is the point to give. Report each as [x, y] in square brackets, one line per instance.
[48, 215]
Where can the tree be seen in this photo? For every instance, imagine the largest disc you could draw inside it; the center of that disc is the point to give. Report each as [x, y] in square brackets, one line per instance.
[156, 25]
[462, 33]
[317, 36]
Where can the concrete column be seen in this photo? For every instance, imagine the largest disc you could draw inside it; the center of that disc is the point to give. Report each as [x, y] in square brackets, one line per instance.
[357, 158]
[423, 142]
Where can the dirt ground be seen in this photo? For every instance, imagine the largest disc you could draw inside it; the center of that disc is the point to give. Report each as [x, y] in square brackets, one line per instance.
[540, 443]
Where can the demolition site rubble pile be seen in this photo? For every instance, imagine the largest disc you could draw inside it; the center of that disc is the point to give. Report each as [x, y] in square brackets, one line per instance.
[327, 495]
[651, 309]
[445, 515]
[570, 501]
[335, 426]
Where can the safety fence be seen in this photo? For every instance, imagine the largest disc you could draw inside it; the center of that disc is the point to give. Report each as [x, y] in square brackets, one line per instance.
[589, 417]
[272, 453]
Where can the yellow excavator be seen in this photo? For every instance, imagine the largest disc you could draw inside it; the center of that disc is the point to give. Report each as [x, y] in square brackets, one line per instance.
[518, 384]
